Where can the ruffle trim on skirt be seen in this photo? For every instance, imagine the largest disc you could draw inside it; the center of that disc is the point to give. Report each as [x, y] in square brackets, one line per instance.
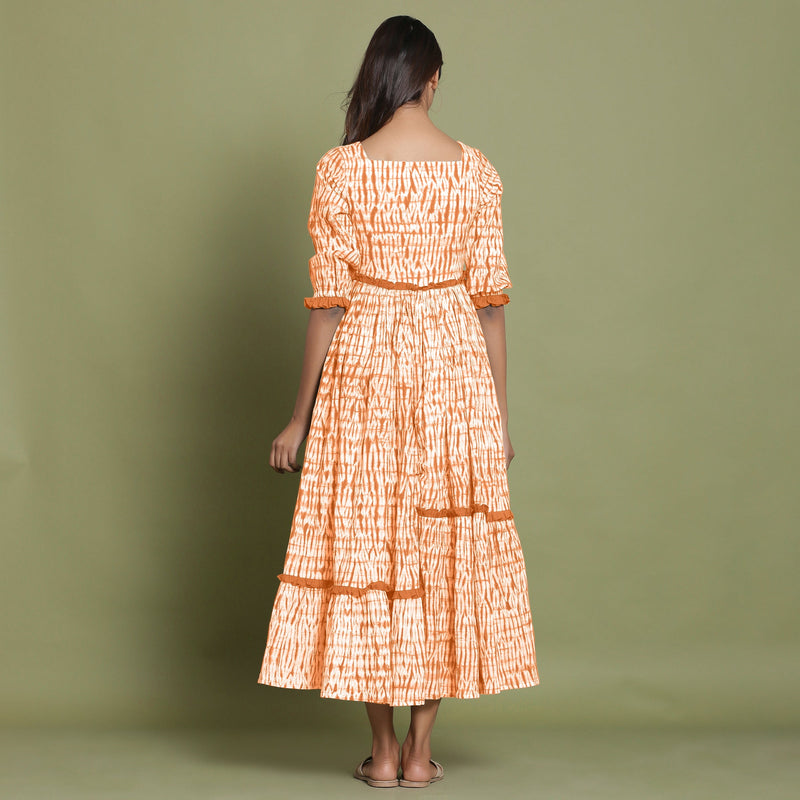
[491, 516]
[355, 591]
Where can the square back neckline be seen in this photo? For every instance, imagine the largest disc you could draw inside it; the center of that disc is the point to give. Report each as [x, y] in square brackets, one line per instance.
[461, 160]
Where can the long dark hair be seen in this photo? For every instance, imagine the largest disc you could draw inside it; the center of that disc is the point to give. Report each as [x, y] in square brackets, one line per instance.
[400, 59]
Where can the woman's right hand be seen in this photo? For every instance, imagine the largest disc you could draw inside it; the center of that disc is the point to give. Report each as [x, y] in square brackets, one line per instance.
[283, 457]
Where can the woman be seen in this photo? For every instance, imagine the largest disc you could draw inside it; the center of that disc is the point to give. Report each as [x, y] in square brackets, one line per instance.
[404, 579]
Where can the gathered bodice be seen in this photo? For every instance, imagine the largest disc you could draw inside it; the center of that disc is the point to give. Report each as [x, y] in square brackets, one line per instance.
[409, 222]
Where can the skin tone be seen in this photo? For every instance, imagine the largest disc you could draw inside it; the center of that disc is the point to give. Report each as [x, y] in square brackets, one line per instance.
[410, 135]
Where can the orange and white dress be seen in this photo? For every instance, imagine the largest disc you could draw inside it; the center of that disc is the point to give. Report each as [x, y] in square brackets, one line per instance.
[404, 577]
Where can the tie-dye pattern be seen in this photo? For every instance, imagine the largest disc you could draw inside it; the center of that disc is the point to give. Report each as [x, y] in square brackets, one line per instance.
[404, 577]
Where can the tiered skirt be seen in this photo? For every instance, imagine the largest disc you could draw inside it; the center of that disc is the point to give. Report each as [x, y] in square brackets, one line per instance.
[404, 577]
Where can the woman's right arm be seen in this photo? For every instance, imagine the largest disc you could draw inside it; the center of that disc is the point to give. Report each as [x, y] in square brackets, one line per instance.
[322, 324]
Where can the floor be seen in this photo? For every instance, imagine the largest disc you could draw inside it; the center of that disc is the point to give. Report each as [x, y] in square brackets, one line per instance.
[645, 764]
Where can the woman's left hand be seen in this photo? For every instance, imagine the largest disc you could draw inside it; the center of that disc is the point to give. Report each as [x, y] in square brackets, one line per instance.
[509, 450]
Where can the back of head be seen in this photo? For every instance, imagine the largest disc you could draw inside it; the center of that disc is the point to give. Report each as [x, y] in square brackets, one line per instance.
[402, 56]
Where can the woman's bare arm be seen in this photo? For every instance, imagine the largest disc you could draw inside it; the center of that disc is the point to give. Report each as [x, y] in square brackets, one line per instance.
[493, 324]
[322, 324]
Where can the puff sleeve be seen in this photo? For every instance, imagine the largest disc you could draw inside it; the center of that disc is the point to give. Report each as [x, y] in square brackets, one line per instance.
[485, 260]
[331, 229]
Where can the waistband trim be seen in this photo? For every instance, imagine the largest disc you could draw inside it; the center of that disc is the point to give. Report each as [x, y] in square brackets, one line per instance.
[360, 276]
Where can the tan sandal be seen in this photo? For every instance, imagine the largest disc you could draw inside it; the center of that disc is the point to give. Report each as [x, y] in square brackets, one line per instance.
[359, 773]
[419, 784]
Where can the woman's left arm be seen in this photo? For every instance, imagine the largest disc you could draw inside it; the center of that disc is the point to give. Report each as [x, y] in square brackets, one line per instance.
[493, 324]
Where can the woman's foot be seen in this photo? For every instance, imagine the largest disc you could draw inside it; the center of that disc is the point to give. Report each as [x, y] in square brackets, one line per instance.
[383, 765]
[416, 761]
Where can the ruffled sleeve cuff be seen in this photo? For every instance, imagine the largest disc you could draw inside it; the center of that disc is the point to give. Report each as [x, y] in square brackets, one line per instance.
[325, 302]
[493, 299]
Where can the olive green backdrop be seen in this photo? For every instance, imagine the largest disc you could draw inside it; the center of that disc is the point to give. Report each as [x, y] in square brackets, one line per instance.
[157, 167]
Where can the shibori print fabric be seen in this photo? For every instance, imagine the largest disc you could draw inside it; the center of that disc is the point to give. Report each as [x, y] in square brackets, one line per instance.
[404, 577]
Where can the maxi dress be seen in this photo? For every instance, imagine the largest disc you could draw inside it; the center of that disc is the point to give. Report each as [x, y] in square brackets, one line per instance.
[404, 577]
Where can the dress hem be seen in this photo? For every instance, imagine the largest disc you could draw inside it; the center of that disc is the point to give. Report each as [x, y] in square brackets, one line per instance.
[522, 683]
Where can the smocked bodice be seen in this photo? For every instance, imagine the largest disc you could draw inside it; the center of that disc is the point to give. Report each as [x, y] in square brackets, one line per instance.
[406, 222]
